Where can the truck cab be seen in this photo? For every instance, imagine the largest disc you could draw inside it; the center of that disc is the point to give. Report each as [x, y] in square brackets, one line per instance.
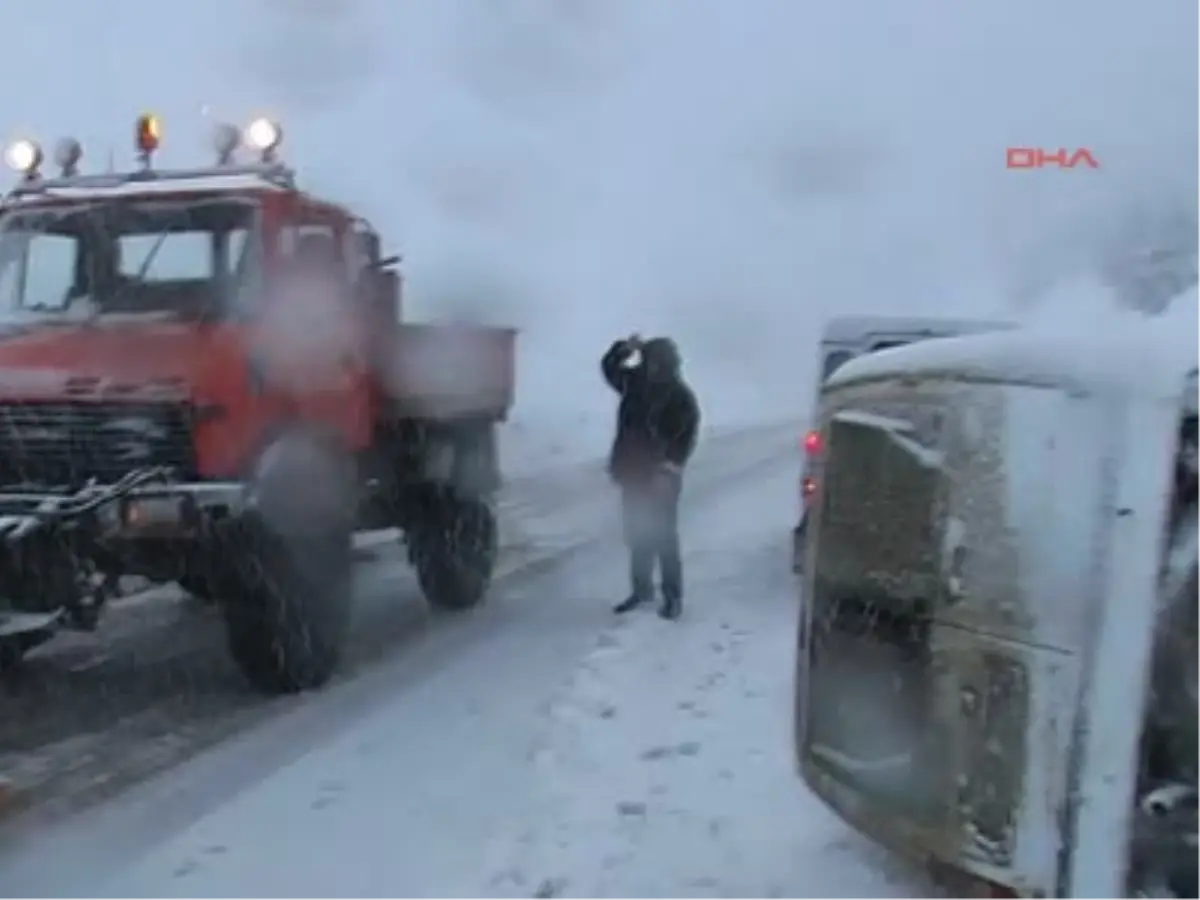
[174, 341]
[169, 288]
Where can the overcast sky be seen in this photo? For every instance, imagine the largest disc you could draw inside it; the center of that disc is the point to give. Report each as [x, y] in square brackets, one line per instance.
[730, 171]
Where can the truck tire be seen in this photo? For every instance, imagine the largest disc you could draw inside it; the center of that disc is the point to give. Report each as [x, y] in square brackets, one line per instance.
[454, 552]
[290, 596]
[287, 624]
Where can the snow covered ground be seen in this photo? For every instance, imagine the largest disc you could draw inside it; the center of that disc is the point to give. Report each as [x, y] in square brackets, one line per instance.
[543, 747]
[664, 764]
[529, 446]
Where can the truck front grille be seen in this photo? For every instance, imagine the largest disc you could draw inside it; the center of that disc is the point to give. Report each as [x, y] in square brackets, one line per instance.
[65, 444]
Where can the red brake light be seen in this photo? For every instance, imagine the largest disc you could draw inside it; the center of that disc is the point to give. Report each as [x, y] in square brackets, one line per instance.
[812, 443]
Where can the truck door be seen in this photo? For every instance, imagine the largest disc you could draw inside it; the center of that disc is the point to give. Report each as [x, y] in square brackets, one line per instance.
[376, 293]
[311, 337]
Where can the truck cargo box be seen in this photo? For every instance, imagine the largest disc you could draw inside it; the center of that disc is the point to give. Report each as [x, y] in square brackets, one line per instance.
[450, 371]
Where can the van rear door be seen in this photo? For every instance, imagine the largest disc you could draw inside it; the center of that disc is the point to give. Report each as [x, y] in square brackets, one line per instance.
[946, 632]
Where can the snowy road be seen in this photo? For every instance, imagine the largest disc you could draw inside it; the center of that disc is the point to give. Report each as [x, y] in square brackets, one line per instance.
[664, 765]
[88, 714]
[538, 747]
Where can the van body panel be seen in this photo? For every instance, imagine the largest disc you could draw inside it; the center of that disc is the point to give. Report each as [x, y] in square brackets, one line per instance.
[932, 548]
[847, 338]
[979, 606]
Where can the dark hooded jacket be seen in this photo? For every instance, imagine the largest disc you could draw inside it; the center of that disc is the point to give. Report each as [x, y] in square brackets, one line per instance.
[658, 418]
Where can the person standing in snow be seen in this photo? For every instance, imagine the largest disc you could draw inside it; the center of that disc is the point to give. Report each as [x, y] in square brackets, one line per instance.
[657, 423]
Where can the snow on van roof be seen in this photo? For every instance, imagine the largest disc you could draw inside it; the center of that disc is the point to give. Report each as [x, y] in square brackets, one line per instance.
[1126, 353]
[849, 329]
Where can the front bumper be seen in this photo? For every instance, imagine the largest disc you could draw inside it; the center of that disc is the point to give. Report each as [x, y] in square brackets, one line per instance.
[144, 504]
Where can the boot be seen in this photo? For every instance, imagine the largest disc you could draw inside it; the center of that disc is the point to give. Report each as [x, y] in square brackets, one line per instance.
[671, 609]
[641, 579]
[629, 604]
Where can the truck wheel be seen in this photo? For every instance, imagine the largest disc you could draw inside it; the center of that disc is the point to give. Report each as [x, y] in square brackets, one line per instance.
[289, 599]
[454, 553]
[287, 624]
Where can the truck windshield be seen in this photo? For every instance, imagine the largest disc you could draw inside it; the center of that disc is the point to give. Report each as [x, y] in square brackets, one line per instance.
[126, 256]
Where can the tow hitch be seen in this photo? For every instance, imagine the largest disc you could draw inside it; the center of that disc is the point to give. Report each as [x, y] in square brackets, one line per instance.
[51, 559]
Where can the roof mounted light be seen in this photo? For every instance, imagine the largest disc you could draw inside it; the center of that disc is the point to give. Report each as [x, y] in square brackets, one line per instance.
[67, 153]
[24, 156]
[226, 139]
[147, 136]
[264, 136]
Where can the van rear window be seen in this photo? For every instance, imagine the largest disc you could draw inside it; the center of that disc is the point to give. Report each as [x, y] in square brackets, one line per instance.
[835, 361]
[839, 358]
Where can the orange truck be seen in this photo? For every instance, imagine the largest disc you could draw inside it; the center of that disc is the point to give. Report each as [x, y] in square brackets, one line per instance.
[205, 377]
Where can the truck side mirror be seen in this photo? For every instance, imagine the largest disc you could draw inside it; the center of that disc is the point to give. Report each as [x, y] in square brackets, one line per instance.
[368, 246]
[387, 294]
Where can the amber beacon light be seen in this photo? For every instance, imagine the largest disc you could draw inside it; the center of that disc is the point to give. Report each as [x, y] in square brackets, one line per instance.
[148, 136]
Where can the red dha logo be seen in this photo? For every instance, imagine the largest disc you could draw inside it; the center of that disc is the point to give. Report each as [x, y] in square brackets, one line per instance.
[1036, 158]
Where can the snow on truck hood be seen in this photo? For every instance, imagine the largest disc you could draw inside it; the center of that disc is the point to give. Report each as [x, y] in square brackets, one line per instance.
[1126, 354]
[131, 357]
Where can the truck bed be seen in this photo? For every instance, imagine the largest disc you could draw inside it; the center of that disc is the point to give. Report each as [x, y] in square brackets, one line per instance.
[448, 371]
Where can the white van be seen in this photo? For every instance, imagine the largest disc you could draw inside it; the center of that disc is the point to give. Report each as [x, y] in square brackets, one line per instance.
[996, 667]
[846, 338]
